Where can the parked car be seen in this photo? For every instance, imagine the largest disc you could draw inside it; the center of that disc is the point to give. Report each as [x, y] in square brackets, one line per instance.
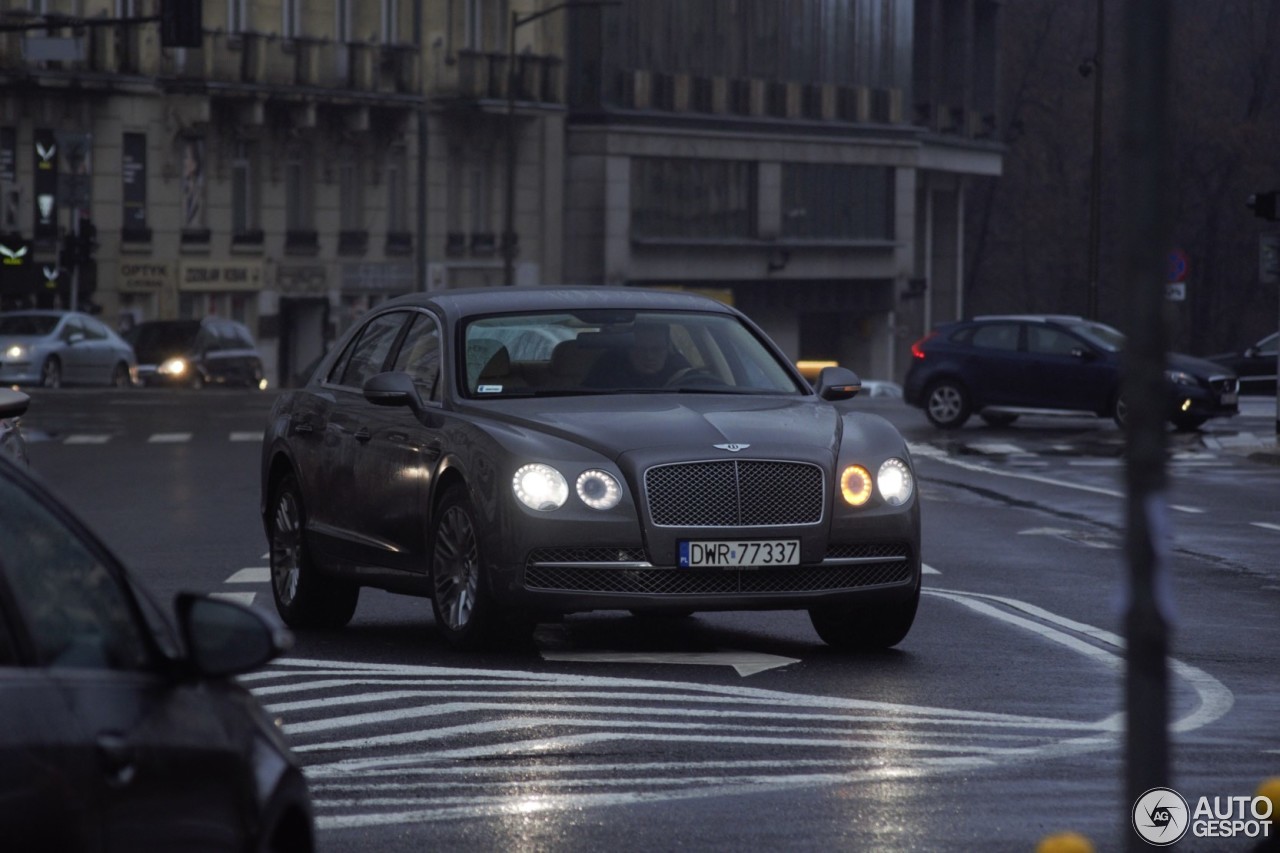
[13, 404]
[422, 458]
[1004, 366]
[1255, 365]
[51, 348]
[196, 353]
[118, 732]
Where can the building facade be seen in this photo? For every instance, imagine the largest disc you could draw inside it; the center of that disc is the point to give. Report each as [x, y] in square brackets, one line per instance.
[311, 158]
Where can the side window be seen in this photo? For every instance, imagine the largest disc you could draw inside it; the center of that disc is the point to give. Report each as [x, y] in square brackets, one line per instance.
[240, 337]
[370, 350]
[73, 327]
[94, 330]
[1000, 336]
[1046, 341]
[420, 356]
[75, 609]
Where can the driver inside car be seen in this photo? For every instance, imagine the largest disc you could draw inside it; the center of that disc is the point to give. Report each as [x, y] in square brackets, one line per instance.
[650, 361]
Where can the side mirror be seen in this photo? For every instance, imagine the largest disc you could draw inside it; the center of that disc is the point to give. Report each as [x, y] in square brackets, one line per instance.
[1250, 352]
[837, 383]
[225, 638]
[13, 404]
[393, 388]
[1084, 353]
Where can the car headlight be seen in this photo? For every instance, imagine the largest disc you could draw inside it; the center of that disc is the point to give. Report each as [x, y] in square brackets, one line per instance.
[895, 482]
[1180, 377]
[599, 489]
[855, 485]
[16, 352]
[173, 367]
[540, 487]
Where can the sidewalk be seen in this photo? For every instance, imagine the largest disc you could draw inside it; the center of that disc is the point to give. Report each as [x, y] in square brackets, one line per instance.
[1258, 444]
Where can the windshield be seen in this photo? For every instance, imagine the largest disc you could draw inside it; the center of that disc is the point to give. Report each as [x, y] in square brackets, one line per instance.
[152, 341]
[617, 352]
[1099, 334]
[28, 324]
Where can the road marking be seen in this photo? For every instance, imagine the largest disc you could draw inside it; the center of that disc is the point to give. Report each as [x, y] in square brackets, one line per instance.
[746, 663]
[86, 439]
[926, 569]
[246, 436]
[1266, 525]
[241, 597]
[252, 575]
[1078, 537]
[169, 438]
[941, 456]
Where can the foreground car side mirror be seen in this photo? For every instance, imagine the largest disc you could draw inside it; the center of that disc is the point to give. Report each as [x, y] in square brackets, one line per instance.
[225, 638]
[838, 383]
[393, 388]
[13, 404]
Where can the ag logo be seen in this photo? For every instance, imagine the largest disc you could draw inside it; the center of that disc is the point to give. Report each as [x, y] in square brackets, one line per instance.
[1161, 817]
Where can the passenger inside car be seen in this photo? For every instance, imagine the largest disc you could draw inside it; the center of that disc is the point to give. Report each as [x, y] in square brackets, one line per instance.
[648, 361]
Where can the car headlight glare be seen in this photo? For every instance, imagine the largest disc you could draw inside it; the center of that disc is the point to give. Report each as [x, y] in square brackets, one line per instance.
[540, 487]
[173, 367]
[855, 485]
[895, 482]
[599, 489]
[16, 352]
[1180, 377]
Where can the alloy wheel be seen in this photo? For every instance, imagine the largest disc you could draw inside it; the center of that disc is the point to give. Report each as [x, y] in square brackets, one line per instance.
[286, 548]
[456, 568]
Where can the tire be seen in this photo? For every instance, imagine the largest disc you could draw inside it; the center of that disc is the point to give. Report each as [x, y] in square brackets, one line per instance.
[1120, 411]
[120, 376]
[51, 373]
[862, 629]
[998, 420]
[466, 614]
[947, 404]
[305, 597]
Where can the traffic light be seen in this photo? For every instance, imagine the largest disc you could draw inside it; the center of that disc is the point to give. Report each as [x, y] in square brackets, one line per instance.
[1264, 205]
[181, 23]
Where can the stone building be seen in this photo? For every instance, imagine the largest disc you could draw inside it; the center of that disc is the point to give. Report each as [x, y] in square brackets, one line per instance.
[310, 158]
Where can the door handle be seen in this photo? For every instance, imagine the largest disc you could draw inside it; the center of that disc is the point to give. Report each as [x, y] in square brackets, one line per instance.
[118, 758]
[362, 435]
[303, 427]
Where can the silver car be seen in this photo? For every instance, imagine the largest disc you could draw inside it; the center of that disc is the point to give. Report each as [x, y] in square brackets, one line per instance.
[50, 348]
[13, 404]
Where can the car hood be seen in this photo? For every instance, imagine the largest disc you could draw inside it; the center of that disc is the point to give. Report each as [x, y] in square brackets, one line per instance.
[1202, 367]
[615, 426]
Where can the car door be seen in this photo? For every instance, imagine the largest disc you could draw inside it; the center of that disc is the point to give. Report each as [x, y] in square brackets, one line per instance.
[1065, 372]
[100, 352]
[150, 756]
[75, 354]
[338, 512]
[995, 368]
[398, 461]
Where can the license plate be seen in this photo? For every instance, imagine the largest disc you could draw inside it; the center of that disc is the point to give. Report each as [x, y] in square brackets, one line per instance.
[1230, 398]
[715, 554]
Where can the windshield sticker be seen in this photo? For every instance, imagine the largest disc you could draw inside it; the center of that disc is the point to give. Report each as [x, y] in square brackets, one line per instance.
[489, 389]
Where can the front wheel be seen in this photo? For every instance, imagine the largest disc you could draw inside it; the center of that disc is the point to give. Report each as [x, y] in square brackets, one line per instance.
[51, 373]
[120, 376]
[866, 628]
[1120, 411]
[947, 404]
[305, 598]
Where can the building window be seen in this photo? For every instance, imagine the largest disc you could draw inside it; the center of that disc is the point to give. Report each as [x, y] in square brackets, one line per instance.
[299, 203]
[687, 198]
[350, 194]
[837, 202]
[237, 16]
[245, 225]
[343, 22]
[473, 24]
[390, 21]
[290, 19]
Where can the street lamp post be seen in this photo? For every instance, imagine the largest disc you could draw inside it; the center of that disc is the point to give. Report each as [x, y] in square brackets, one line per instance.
[509, 202]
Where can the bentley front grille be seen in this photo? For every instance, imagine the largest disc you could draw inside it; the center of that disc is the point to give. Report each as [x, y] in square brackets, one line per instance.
[734, 493]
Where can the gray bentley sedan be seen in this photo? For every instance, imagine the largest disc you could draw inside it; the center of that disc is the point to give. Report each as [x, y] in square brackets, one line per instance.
[515, 454]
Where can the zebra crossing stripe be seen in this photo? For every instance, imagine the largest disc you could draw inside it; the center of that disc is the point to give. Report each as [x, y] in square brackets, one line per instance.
[169, 438]
[87, 439]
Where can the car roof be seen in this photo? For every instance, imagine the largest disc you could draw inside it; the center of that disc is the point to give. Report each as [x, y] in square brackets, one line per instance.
[1035, 318]
[490, 300]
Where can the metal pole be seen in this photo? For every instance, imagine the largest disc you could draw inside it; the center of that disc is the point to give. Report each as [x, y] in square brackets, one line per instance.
[1144, 218]
[1095, 170]
[509, 203]
[421, 203]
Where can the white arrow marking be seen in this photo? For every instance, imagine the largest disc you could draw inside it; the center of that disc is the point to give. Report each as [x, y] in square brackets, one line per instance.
[255, 575]
[746, 663]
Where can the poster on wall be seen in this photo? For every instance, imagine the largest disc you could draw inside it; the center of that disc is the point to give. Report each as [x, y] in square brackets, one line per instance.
[46, 186]
[134, 174]
[192, 184]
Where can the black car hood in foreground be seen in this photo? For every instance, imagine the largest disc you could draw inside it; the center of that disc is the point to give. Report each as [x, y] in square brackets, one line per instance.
[628, 423]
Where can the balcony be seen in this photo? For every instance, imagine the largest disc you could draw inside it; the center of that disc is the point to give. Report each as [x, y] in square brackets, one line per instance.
[474, 76]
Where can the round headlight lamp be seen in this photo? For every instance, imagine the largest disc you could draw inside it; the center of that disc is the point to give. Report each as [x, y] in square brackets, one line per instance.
[540, 487]
[895, 482]
[173, 367]
[599, 489]
[855, 485]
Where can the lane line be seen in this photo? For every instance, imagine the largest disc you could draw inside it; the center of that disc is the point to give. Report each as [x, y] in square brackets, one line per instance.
[86, 439]
[169, 438]
[251, 575]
